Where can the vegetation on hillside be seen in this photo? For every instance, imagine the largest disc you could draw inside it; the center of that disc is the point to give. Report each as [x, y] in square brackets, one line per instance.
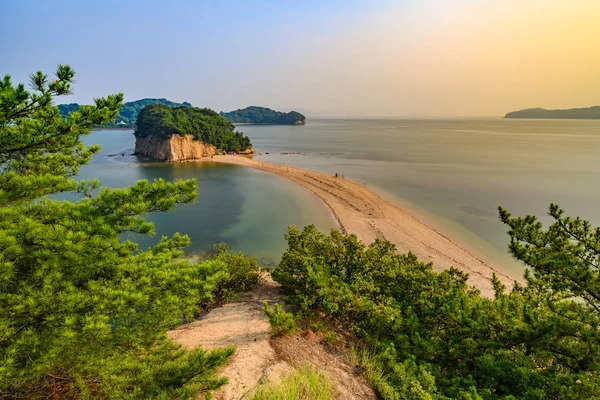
[262, 115]
[84, 314]
[433, 337]
[127, 114]
[305, 383]
[204, 124]
[572, 113]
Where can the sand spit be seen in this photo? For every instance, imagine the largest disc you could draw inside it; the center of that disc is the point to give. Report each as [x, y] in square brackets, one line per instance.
[368, 216]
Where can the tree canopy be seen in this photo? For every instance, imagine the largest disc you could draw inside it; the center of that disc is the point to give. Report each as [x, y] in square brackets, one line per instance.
[84, 313]
[128, 113]
[204, 124]
[434, 337]
[263, 115]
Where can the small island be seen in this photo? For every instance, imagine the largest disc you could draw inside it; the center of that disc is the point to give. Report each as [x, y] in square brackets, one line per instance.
[165, 133]
[263, 115]
[572, 113]
[127, 114]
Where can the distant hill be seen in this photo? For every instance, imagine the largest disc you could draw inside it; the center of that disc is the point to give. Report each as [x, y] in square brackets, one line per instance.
[263, 115]
[572, 113]
[129, 111]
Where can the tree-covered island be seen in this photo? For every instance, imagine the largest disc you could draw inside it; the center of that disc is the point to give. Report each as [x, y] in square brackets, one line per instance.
[263, 115]
[571, 113]
[205, 125]
[84, 313]
[128, 114]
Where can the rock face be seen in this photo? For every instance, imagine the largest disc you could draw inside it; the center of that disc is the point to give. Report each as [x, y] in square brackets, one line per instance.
[176, 148]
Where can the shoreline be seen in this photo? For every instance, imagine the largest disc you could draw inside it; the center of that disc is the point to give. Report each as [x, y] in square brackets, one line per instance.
[361, 212]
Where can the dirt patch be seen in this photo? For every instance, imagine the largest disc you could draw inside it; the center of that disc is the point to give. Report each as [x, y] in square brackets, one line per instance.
[307, 347]
[241, 324]
[259, 356]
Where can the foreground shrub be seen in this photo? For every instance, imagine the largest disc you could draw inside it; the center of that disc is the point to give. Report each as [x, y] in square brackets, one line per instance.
[83, 313]
[243, 273]
[307, 383]
[435, 337]
[281, 322]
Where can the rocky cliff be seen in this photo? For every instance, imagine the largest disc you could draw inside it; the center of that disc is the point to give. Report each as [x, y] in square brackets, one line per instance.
[175, 148]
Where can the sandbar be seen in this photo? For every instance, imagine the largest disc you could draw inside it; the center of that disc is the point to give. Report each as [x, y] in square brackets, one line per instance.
[361, 212]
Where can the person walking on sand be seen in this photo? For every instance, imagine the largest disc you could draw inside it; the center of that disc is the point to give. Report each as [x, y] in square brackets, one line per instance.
[336, 175]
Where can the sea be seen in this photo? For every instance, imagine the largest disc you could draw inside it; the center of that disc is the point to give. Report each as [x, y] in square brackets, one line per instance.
[451, 173]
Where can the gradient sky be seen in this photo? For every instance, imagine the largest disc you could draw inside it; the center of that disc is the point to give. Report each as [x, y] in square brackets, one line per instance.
[345, 58]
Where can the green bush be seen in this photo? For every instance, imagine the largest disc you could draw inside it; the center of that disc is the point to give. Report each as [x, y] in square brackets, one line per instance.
[243, 273]
[435, 337]
[281, 322]
[84, 314]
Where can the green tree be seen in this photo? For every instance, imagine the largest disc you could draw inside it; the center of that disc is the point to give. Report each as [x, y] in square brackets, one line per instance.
[564, 262]
[262, 115]
[82, 313]
[202, 123]
[434, 337]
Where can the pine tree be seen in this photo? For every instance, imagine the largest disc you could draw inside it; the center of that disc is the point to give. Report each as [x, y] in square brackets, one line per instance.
[564, 262]
[434, 337]
[83, 313]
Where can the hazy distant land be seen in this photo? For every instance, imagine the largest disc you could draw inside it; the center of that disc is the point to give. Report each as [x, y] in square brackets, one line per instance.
[263, 115]
[571, 113]
[127, 114]
[250, 115]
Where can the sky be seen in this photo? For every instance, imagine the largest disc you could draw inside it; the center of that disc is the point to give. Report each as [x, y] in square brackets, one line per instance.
[332, 58]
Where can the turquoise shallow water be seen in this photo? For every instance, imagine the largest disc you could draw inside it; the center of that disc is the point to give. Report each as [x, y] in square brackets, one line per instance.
[247, 209]
[453, 173]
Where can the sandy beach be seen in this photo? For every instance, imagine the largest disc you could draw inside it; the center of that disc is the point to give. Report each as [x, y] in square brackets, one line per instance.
[368, 216]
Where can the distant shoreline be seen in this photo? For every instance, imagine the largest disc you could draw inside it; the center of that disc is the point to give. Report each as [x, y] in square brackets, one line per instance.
[570, 113]
[363, 213]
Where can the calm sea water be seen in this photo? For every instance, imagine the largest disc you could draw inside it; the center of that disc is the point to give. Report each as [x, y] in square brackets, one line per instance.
[453, 173]
[247, 209]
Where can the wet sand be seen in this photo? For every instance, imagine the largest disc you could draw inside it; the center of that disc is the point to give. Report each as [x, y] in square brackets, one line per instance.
[363, 213]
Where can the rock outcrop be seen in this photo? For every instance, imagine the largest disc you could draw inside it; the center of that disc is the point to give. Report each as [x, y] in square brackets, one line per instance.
[175, 148]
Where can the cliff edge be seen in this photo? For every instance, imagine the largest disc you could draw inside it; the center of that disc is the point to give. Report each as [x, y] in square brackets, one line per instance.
[175, 148]
[185, 133]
